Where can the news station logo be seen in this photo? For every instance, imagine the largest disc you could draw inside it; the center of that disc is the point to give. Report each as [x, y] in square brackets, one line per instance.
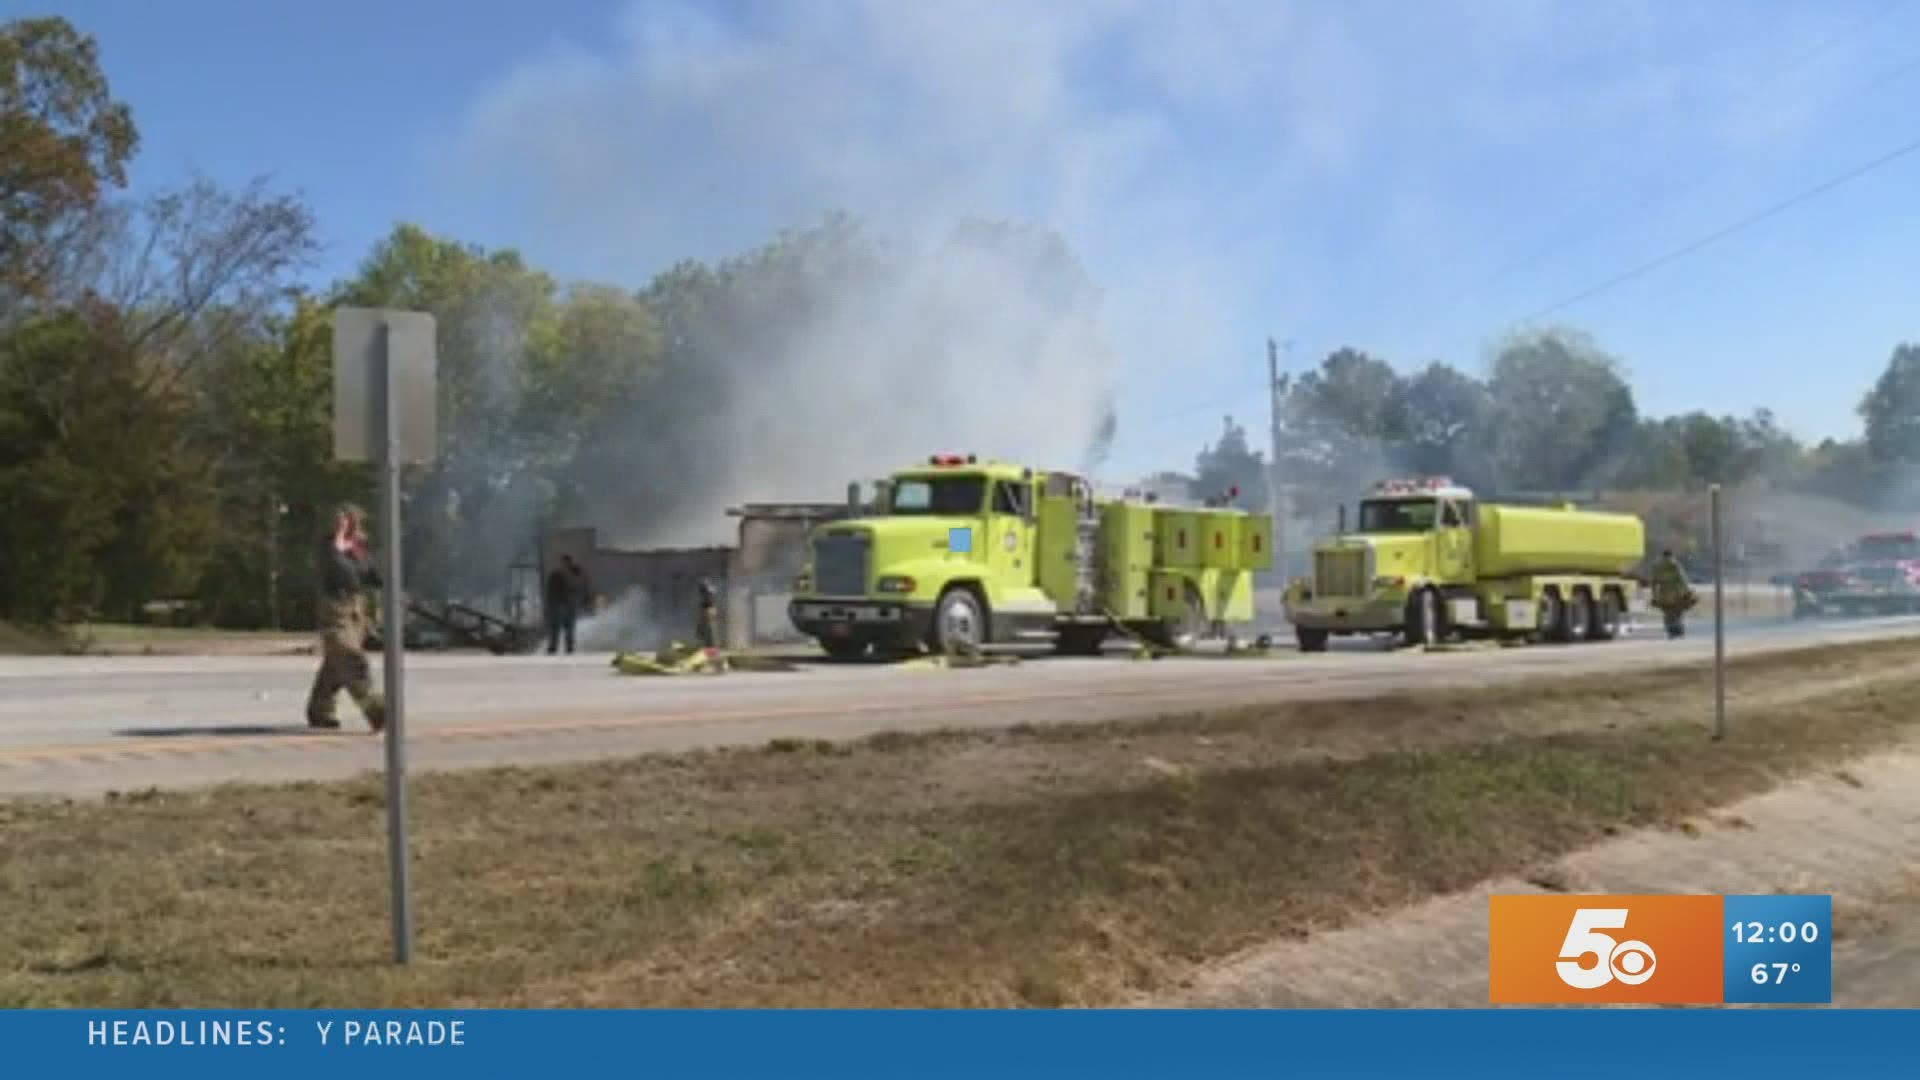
[1605, 950]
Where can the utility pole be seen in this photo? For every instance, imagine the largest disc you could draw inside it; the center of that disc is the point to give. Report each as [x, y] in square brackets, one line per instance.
[275, 511]
[1719, 617]
[1276, 486]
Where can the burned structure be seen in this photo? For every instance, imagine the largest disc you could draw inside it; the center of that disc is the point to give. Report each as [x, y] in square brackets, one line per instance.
[644, 598]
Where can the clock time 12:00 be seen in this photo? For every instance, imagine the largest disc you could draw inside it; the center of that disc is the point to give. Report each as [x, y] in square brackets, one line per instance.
[1758, 933]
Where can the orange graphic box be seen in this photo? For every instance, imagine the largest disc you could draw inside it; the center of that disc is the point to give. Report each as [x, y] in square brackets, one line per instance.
[1605, 950]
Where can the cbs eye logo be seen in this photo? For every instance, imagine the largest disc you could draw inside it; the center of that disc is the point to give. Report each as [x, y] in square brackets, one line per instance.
[1630, 962]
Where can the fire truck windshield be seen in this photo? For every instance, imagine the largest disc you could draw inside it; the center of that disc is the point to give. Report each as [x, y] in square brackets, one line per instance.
[1397, 515]
[938, 495]
[1900, 546]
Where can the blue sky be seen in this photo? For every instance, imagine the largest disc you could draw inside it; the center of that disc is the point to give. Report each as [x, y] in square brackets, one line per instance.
[1365, 173]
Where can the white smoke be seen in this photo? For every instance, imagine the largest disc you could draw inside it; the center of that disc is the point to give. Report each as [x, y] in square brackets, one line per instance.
[1201, 157]
[628, 624]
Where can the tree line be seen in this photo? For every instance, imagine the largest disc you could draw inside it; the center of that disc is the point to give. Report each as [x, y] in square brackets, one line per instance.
[165, 382]
[165, 373]
[1554, 418]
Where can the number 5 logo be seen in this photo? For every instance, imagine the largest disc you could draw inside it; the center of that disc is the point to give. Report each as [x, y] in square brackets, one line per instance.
[1631, 962]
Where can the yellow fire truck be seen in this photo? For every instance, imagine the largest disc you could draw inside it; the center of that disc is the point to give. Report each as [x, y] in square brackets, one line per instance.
[959, 553]
[1429, 561]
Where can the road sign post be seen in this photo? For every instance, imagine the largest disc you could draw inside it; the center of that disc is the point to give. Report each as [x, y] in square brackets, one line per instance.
[383, 411]
[1719, 616]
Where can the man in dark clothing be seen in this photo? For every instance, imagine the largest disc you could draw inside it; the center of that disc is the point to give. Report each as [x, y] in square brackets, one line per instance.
[707, 627]
[346, 571]
[582, 591]
[563, 603]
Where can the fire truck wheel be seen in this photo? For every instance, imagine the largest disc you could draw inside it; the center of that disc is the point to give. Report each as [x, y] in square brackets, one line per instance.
[1423, 618]
[1311, 639]
[959, 622]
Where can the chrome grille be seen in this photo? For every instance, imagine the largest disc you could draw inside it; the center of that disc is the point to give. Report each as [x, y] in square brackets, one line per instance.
[840, 564]
[1340, 573]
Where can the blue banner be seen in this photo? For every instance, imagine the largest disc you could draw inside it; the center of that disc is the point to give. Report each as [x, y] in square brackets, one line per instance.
[1614, 1044]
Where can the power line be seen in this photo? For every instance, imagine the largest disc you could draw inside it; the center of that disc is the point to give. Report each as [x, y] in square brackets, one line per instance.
[1791, 66]
[1721, 234]
[1567, 242]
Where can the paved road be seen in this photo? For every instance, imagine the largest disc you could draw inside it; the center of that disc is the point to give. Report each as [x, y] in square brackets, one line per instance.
[89, 725]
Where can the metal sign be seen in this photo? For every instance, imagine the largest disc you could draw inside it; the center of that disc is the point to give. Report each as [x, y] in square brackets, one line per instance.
[383, 411]
[361, 338]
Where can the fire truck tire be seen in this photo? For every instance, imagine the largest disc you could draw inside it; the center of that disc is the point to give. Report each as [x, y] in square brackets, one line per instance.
[1423, 619]
[1310, 638]
[959, 622]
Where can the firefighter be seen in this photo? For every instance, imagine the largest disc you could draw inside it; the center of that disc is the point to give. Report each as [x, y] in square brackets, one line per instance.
[564, 587]
[346, 571]
[706, 629]
[1671, 593]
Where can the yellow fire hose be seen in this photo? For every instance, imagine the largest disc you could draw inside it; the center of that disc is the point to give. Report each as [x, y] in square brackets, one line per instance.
[675, 659]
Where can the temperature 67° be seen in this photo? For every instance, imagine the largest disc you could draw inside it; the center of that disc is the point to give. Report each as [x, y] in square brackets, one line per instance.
[1772, 973]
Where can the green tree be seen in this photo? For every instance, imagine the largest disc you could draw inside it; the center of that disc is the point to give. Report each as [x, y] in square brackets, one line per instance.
[1230, 464]
[65, 139]
[1343, 426]
[1445, 415]
[1891, 410]
[268, 405]
[1563, 417]
[104, 507]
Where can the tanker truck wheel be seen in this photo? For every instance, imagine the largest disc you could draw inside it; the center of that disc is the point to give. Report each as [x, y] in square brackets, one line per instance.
[1550, 620]
[1423, 618]
[1580, 617]
[1609, 617]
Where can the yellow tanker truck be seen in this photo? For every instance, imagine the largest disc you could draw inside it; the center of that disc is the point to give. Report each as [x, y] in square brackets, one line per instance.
[957, 553]
[1429, 561]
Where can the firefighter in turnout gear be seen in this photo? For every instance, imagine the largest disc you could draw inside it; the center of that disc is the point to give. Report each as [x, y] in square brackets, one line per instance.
[1672, 594]
[346, 571]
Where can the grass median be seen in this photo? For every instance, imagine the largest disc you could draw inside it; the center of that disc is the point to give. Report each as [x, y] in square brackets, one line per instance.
[1063, 865]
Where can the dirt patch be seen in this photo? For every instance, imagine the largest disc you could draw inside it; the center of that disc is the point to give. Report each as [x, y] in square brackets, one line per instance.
[1047, 866]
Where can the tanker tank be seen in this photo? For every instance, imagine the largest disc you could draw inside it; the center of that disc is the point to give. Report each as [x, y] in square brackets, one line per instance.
[1517, 540]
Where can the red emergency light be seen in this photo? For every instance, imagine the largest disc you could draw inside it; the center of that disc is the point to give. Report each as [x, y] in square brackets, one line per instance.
[950, 460]
[1402, 487]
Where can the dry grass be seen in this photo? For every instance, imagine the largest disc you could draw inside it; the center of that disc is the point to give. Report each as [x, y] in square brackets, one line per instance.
[1038, 867]
[17, 640]
[124, 639]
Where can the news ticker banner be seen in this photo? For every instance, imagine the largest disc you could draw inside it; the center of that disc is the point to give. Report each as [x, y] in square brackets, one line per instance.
[1805, 1044]
[1661, 950]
